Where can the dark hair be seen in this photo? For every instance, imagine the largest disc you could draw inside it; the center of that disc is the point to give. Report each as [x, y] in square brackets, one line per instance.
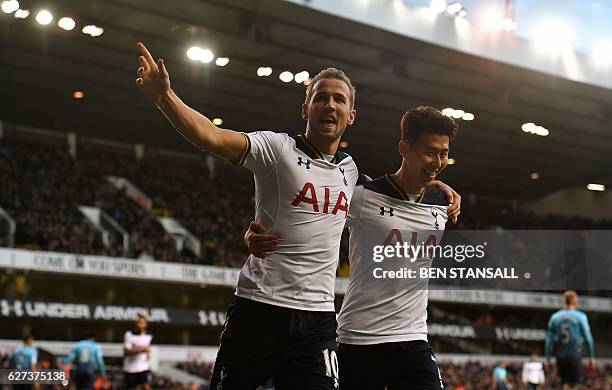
[331, 73]
[426, 120]
[27, 338]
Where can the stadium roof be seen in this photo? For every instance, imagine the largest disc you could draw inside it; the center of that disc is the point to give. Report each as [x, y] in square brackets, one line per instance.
[41, 67]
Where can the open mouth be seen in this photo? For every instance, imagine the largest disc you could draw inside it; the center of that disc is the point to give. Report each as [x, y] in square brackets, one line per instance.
[329, 121]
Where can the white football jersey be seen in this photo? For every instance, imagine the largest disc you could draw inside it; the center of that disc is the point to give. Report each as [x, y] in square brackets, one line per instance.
[377, 310]
[533, 372]
[304, 200]
[138, 362]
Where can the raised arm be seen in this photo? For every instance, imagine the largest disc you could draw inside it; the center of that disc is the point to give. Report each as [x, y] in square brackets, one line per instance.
[154, 81]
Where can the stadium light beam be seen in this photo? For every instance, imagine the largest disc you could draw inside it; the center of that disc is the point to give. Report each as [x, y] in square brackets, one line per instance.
[44, 17]
[468, 116]
[451, 161]
[217, 121]
[92, 30]
[596, 187]
[9, 6]
[66, 23]
[301, 77]
[194, 53]
[286, 76]
[221, 61]
[438, 5]
[264, 71]
[457, 114]
[454, 8]
[22, 13]
[532, 128]
[206, 56]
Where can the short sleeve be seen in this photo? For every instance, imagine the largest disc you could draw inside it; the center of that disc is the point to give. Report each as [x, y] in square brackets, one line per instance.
[263, 151]
[34, 357]
[126, 340]
[356, 206]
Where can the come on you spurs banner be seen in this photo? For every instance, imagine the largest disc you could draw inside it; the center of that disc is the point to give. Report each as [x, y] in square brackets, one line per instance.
[116, 267]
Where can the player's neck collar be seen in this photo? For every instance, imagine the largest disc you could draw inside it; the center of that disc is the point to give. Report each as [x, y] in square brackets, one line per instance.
[302, 143]
[399, 192]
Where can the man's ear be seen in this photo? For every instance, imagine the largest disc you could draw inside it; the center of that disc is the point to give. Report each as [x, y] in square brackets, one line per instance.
[351, 117]
[403, 148]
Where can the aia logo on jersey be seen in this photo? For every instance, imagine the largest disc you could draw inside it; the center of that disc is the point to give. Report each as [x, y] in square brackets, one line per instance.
[383, 210]
[308, 195]
[395, 235]
[301, 162]
[435, 215]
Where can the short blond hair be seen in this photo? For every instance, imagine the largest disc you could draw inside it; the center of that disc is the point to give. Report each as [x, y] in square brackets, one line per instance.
[330, 73]
[570, 297]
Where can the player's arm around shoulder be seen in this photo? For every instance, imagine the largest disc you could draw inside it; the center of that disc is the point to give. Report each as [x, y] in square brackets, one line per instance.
[154, 81]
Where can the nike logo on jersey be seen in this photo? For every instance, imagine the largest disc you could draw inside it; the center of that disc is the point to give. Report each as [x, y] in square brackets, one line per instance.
[308, 195]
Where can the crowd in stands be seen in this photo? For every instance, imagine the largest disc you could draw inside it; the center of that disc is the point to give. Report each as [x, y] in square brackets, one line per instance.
[475, 375]
[472, 375]
[202, 369]
[43, 185]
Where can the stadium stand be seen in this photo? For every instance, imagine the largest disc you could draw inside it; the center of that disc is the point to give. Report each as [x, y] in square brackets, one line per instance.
[216, 210]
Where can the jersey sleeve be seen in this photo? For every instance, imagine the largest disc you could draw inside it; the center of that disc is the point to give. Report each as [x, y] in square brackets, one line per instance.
[586, 334]
[70, 358]
[263, 151]
[126, 341]
[356, 207]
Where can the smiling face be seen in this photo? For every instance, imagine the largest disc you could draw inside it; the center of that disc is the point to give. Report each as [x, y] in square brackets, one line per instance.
[425, 158]
[329, 110]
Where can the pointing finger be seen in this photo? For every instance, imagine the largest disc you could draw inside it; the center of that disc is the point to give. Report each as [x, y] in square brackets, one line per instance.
[145, 53]
[143, 63]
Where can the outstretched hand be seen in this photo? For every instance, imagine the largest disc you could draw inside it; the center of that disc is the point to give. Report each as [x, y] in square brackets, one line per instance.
[258, 243]
[153, 78]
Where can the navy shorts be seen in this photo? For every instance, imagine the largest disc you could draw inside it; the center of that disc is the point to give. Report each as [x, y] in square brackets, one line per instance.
[570, 370]
[391, 366]
[83, 376]
[134, 379]
[296, 348]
